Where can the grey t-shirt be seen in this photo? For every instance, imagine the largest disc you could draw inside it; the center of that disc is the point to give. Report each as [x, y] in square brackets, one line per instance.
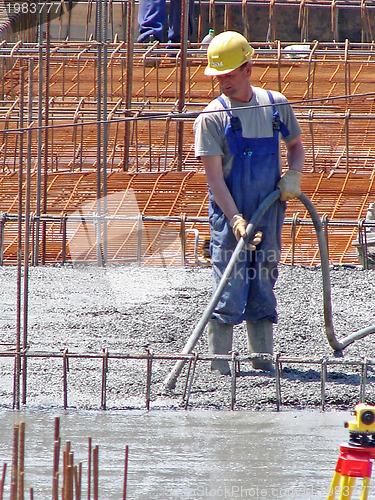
[255, 117]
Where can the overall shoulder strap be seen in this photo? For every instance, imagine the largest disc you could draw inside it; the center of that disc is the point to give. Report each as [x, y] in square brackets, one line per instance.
[234, 120]
[224, 104]
[277, 124]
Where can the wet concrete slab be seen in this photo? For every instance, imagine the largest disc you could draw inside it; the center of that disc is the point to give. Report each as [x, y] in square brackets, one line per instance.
[188, 455]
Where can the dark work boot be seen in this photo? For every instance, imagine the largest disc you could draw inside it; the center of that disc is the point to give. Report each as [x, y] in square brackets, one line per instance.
[219, 342]
[260, 340]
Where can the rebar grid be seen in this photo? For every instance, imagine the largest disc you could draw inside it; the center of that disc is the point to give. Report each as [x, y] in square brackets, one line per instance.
[79, 231]
[219, 14]
[106, 359]
[145, 135]
[148, 214]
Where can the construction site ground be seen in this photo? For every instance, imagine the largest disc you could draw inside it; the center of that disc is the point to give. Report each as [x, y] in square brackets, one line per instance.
[131, 309]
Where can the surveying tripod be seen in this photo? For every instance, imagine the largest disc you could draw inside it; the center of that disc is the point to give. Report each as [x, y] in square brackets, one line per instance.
[355, 458]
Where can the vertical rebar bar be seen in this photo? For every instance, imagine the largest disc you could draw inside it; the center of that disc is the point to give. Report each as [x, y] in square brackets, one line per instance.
[347, 149]
[323, 381]
[65, 377]
[187, 379]
[15, 380]
[95, 460]
[150, 145]
[65, 455]
[27, 229]
[69, 478]
[125, 472]
[2, 229]
[277, 382]
[105, 126]
[347, 70]
[363, 381]
[21, 462]
[2, 482]
[19, 242]
[139, 239]
[89, 467]
[182, 82]
[129, 77]
[56, 459]
[148, 379]
[99, 36]
[39, 141]
[233, 382]
[46, 136]
[2, 79]
[104, 380]
[191, 379]
[312, 136]
[64, 237]
[279, 79]
[14, 473]
[56, 434]
[183, 239]
[55, 476]
[293, 235]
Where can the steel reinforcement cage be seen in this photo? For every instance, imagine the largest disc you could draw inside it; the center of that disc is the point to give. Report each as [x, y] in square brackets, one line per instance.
[97, 160]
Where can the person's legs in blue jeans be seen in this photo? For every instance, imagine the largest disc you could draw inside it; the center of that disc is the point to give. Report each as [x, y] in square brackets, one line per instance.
[151, 19]
[174, 21]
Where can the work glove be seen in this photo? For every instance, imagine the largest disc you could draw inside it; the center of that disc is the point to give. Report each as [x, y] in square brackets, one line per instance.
[239, 224]
[290, 185]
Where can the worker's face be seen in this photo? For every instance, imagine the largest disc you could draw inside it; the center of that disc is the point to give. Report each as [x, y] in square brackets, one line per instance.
[236, 84]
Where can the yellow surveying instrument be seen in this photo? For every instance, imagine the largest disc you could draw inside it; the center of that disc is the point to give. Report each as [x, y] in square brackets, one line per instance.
[355, 458]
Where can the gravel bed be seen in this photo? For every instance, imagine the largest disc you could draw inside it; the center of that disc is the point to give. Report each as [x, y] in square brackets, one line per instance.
[131, 309]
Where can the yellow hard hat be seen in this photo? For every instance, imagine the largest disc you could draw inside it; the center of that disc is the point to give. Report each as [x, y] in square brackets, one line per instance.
[226, 52]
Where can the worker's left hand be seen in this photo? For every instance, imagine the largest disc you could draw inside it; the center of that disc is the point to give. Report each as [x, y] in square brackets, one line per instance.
[257, 238]
[290, 185]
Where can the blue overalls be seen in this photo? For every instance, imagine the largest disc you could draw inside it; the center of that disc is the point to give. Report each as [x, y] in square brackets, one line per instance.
[254, 175]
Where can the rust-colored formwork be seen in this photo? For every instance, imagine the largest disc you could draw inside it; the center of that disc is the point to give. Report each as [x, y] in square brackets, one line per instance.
[173, 198]
[128, 142]
[338, 130]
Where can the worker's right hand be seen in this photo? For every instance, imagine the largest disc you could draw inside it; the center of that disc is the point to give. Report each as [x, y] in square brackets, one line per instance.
[239, 224]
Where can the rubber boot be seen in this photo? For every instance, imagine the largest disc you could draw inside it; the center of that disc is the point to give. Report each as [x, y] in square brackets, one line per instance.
[260, 340]
[219, 342]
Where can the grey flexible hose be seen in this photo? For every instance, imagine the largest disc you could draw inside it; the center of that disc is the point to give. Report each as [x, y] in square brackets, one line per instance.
[338, 346]
[327, 303]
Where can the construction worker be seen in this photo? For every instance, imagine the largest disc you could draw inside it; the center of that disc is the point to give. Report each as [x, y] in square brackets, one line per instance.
[237, 139]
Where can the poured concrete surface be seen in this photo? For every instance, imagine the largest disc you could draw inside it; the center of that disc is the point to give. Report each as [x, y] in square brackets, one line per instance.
[210, 455]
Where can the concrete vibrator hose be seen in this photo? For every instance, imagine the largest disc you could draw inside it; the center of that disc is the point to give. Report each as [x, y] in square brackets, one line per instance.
[337, 346]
